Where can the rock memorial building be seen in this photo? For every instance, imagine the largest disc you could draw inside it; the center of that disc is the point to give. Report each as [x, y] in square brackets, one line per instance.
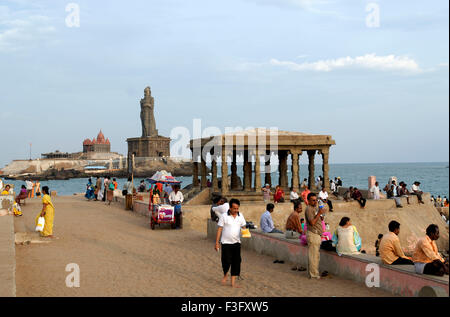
[150, 144]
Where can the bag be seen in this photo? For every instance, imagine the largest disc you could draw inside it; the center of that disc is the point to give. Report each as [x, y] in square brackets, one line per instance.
[111, 186]
[327, 246]
[40, 224]
[124, 192]
[246, 233]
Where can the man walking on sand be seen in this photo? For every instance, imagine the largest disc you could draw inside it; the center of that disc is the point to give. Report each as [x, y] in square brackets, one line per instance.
[313, 235]
[229, 231]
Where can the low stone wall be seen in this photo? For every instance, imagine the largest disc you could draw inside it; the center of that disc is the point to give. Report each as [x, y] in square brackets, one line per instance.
[370, 221]
[7, 257]
[400, 280]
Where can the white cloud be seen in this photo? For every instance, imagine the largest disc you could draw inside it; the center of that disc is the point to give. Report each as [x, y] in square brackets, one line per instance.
[22, 29]
[368, 61]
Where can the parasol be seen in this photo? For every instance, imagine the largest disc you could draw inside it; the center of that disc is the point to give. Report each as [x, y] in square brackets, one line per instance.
[162, 177]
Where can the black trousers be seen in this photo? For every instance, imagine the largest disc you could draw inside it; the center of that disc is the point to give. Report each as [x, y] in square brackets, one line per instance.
[231, 257]
[179, 220]
[401, 261]
[436, 268]
[362, 202]
[330, 205]
[104, 195]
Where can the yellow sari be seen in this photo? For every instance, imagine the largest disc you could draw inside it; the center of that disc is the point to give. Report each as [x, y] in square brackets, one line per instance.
[49, 216]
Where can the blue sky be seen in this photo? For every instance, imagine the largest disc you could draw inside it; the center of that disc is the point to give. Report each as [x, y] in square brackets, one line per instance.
[311, 66]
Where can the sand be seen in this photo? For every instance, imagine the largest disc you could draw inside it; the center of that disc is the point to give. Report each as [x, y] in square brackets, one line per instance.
[119, 255]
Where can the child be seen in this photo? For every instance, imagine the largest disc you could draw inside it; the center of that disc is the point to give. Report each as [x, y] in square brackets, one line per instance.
[377, 244]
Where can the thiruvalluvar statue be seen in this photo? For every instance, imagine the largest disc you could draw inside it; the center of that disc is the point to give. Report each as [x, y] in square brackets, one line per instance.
[147, 115]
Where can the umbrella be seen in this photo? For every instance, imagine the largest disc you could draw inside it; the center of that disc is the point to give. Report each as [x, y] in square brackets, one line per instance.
[162, 177]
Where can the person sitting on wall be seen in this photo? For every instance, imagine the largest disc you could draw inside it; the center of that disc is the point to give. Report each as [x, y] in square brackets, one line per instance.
[293, 225]
[215, 203]
[356, 195]
[221, 208]
[304, 194]
[426, 257]
[266, 221]
[278, 197]
[348, 194]
[377, 244]
[22, 195]
[323, 196]
[293, 197]
[390, 249]
[415, 190]
[346, 238]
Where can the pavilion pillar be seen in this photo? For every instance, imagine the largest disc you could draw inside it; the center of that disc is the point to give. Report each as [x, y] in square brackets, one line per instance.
[311, 179]
[325, 169]
[195, 181]
[257, 171]
[295, 182]
[247, 171]
[224, 172]
[203, 171]
[215, 181]
[267, 175]
[282, 158]
[234, 176]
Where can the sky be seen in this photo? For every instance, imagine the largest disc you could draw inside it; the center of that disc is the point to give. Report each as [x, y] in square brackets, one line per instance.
[373, 74]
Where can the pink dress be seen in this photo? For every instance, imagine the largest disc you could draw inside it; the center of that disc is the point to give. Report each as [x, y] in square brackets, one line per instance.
[325, 235]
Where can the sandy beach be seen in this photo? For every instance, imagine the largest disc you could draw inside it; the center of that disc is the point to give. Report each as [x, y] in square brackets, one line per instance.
[119, 255]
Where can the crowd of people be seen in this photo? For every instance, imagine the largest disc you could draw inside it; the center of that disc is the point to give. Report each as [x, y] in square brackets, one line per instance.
[314, 232]
[33, 189]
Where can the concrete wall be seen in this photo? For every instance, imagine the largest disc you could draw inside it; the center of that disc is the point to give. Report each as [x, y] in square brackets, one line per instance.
[400, 280]
[370, 221]
[7, 257]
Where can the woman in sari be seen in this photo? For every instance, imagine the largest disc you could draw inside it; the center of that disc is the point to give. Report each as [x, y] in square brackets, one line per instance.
[48, 212]
[38, 188]
[109, 190]
[346, 238]
[89, 190]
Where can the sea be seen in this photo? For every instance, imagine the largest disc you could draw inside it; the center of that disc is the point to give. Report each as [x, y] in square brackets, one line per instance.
[434, 177]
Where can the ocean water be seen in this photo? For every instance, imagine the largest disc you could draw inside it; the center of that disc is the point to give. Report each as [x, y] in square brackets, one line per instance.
[434, 177]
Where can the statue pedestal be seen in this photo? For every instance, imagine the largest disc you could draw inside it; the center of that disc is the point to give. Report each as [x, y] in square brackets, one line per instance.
[158, 146]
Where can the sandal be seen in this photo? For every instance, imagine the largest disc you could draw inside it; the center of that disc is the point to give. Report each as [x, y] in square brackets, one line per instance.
[324, 274]
[301, 269]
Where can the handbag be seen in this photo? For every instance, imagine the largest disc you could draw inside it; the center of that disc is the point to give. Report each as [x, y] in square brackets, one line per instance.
[124, 192]
[40, 224]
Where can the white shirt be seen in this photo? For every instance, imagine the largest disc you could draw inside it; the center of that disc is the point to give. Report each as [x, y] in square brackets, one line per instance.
[231, 232]
[1, 184]
[415, 188]
[29, 185]
[333, 187]
[294, 195]
[375, 190]
[323, 195]
[221, 209]
[176, 196]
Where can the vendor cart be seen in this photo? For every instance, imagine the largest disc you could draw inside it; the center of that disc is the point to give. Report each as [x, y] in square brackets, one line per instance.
[160, 212]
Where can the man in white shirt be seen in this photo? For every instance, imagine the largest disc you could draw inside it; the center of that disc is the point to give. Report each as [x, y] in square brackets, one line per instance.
[229, 232]
[222, 207]
[375, 190]
[176, 198]
[294, 195]
[29, 185]
[323, 196]
[415, 190]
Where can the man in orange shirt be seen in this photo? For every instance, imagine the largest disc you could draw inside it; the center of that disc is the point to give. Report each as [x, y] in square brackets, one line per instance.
[426, 257]
[305, 195]
[390, 249]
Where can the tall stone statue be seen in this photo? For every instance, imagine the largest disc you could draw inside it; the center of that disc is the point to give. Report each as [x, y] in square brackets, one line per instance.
[147, 115]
